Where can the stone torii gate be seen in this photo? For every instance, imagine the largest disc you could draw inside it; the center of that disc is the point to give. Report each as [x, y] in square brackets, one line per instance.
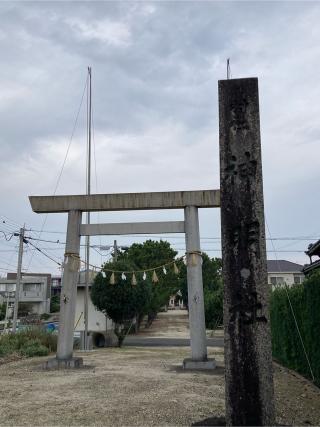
[190, 201]
[248, 358]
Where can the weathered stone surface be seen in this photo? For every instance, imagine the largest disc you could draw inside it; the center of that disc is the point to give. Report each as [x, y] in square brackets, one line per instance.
[197, 323]
[132, 228]
[249, 381]
[72, 363]
[69, 287]
[201, 365]
[126, 201]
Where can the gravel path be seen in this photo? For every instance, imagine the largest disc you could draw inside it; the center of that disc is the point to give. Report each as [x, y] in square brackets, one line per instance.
[135, 387]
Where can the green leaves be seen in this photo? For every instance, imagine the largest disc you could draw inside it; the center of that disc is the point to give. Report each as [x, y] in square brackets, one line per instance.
[212, 289]
[120, 301]
[123, 299]
[286, 343]
[152, 254]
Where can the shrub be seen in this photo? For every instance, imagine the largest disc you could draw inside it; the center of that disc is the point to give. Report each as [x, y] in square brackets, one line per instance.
[25, 308]
[29, 342]
[213, 306]
[286, 343]
[55, 304]
[34, 348]
[6, 346]
[2, 311]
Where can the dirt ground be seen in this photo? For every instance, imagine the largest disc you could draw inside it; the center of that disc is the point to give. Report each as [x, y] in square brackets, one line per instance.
[135, 386]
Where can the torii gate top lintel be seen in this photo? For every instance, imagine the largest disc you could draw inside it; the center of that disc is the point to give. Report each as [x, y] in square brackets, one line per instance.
[126, 201]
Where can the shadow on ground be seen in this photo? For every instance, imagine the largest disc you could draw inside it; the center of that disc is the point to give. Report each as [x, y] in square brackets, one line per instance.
[220, 421]
[212, 421]
[218, 371]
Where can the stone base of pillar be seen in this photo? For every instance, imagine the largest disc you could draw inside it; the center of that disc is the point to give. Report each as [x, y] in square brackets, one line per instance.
[54, 363]
[199, 365]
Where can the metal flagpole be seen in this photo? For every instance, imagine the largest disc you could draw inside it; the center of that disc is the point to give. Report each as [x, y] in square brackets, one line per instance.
[87, 254]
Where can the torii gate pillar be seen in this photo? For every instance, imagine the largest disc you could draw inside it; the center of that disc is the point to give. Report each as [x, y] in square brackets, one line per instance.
[64, 357]
[197, 323]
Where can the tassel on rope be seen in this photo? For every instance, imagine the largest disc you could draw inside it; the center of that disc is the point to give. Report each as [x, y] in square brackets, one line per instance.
[123, 276]
[134, 280]
[164, 270]
[112, 279]
[103, 274]
[175, 268]
[144, 275]
[155, 277]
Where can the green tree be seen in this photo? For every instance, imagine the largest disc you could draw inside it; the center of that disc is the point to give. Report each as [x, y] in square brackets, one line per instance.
[2, 311]
[153, 254]
[55, 304]
[212, 288]
[121, 302]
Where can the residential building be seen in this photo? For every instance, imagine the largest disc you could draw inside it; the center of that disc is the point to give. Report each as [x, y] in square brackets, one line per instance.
[56, 282]
[98, 323]
[282, 272]
[13, 276]
[33, 290]
[313, 250]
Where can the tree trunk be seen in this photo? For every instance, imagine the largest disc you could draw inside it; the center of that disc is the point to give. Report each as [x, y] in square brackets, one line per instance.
[119, 330]
[151, 317]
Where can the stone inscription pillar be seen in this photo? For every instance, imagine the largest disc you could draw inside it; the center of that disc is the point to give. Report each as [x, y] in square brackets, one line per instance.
[69, 287]
[195, 288]
[248, 359]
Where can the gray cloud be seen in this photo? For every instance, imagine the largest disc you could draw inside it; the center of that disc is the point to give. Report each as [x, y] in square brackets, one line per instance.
[155, 72]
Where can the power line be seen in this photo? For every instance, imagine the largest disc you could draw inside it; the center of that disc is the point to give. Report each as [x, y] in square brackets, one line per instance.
[161, 236]
[46, 231]
[180, 237]
[5, 235]
[65, 158]
[5, 269]
[173, 244]
[15, 224]
[46, 255]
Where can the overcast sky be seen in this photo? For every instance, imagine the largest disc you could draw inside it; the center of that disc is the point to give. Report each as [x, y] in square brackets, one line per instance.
[155, 71]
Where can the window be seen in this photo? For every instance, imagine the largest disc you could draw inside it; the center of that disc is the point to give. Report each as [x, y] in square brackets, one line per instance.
[56, 283]
[8, 287]
[32, 287]
[297, 279]
[277, 281]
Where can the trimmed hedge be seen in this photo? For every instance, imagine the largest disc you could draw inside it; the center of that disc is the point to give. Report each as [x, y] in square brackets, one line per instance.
[286, 344]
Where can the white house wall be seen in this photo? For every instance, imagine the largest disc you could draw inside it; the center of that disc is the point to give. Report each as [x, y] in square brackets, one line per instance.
[287, 277]
[97, 321]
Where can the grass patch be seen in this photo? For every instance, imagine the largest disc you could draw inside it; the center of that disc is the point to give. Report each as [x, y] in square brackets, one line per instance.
[30, 342]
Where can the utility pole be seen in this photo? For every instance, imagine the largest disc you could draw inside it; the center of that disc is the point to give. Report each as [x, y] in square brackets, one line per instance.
[115, 251]
[7, 311]
[18, 282]
[87, 253]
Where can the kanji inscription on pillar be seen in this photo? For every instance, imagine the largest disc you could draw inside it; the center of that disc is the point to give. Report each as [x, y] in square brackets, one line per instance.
[249, 381]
